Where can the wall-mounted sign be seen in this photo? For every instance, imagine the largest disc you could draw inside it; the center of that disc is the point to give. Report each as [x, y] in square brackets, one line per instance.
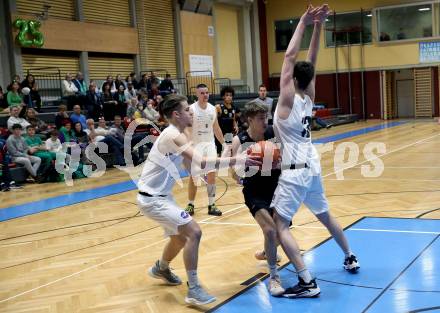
[211, 31]
[200, 64]
[28, 33]
[429, 52]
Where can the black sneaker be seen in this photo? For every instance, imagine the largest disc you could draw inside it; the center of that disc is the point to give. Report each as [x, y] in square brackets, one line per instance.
[303, 290]
[351, 264]
[190, 209]
[213, 210]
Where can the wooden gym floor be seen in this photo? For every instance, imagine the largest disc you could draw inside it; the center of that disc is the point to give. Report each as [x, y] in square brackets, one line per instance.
[92, 256]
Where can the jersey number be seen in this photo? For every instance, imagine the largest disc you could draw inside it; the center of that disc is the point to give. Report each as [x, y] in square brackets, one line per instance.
[307, 122]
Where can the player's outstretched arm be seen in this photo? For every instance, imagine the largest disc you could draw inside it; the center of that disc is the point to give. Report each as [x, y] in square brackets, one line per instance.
[312, 56]
[287, 87]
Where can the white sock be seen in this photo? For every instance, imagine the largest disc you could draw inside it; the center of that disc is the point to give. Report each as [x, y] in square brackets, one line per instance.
[211, 193]
[305, 275]
[191, 202]
[163, 265]
[193, 280]
[273, 271]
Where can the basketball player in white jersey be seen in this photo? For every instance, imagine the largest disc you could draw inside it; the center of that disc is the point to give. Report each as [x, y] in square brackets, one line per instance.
[205, 126]
[155, 201]
[300, 181]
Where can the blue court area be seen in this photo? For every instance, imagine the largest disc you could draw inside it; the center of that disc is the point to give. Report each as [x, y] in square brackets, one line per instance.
[400, 272]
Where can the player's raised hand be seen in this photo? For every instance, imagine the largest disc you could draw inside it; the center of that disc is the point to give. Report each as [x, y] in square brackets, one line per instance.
[309, 15]
[321, 14]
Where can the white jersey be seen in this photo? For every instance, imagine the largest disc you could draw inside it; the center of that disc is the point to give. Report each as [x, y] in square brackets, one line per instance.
[203, 123]
[295, 136]
[161, 170]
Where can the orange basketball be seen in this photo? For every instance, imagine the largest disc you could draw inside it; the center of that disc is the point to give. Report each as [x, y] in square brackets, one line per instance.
[265, 148]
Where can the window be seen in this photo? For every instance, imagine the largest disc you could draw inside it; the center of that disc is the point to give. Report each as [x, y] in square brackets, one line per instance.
[284, 32]
[408, 22]
[348, 27]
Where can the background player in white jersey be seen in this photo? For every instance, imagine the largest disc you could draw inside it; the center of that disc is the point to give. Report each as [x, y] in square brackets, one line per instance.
[155, 201]
[301, 182]
[205, 126]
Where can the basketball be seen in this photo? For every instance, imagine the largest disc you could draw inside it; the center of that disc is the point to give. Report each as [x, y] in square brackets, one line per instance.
[265, 148]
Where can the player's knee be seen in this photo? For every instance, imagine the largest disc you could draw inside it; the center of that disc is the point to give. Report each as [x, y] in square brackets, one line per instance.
[195, 234]
[270, 233]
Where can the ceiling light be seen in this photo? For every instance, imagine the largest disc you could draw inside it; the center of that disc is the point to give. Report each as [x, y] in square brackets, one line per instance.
[424, 9]
[370, 15]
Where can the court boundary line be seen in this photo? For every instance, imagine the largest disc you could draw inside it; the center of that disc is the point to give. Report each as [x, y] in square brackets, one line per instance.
[107, 261]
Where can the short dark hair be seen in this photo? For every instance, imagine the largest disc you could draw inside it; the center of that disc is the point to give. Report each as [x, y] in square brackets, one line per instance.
[304, 73]
[16, 126]
[227, 89]
[54, 132]
[201, 86]
[171, 103]
[262, 85]
[254, 107]
[117, 116]
[30, 127]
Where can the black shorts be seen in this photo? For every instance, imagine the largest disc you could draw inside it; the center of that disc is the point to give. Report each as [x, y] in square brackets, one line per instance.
[257, 202]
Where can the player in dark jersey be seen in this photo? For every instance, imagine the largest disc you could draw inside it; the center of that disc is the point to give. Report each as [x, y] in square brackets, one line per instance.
[226, 115]
[258, 190]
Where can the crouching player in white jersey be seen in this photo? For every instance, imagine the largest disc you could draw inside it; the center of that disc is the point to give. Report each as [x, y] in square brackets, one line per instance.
[156, 202]
[300, 180]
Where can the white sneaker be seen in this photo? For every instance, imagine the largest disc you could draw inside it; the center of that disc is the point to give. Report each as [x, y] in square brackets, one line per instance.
[275, 287]
[198, 296]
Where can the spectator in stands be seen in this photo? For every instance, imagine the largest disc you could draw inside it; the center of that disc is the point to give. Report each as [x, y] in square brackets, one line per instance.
[144, 83]
[34, 141]
[38, 124]
[6, 182]
[384, 37]
[16, 119]
[166, 86]
[154, 91]
[13, 96]
[121, 102]
[103, 134]
[119, 82]
[66, 133]
[35, 98]
[80, 84]
[111, 83]
[150, 112]
[109, 102]
[69, 91]
[80, 135]
[77, 117]
[17, 79]
[54, 146]
[21, 153]
[3, 102]
[266, 101]
[134, 80]
[94, 104]
[132, 107]
[401, 34]
[130, 92]
[61, 117]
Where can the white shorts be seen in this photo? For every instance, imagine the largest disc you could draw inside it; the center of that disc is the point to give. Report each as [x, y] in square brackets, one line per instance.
[165, 211]
[289, 197]
[206, 149]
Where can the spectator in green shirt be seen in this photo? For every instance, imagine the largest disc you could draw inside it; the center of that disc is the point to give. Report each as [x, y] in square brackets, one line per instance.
[13, 97]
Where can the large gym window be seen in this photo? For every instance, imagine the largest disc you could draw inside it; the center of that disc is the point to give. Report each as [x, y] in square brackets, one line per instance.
[347, 28]
[284, 32]
[405, 22]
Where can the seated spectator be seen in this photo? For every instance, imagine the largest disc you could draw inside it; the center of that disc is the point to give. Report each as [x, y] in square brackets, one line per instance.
[6, 182]
[16, 119]
[34, 141]
[103, 134]
[384, 37]
[80, 84]
[109, 102]
[401, 35]
[150, 112]
[80, 135]
[130, 92]
[132, 107]
[119, 82]
[21, 153]
[3, 102]
[34, 99]
[139, 114]
[66, 133]
[166, 86]
[13, 97]
[77, 117]
[38, 124]
[154, 91]
[69, 91]
[61, 117]
[134, 80]
[121, 102]
[94, 104]
[54, 146]
[144, 83]
[17, 79]
[109, 81]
